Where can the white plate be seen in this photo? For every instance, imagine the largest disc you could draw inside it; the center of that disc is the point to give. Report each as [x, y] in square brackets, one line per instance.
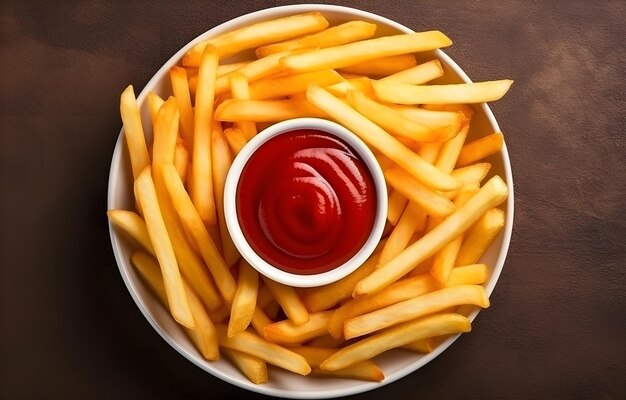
[396, 364]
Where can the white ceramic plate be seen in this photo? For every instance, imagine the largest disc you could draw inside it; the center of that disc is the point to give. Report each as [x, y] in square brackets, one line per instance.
[396, 364]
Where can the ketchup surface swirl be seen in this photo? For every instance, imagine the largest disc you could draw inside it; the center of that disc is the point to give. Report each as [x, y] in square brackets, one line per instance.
[306, 201]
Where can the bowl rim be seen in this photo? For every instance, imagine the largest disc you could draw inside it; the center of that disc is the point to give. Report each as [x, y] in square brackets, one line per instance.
[361, 387]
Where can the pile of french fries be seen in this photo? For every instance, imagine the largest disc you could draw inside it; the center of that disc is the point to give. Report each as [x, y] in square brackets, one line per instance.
[424, 278]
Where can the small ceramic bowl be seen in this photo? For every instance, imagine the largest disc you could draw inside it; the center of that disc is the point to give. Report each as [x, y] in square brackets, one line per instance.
[232, 219]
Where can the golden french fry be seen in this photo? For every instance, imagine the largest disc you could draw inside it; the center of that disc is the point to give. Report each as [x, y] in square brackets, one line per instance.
[289, 301]
[181, 159]
[420, 346]
[192, 82]
[472, 274]
[244, 302]
[401, 93]
[259, 34]
[287, 332]
[194, 226]
[133, 132]
[382, 66]
[478, 239]
[450, 150]
[180, 87]
[265, 110]
[380, 140]
[474, 173]
[409, 332]
[366, 50]
[252, 367]
[348, 32]
[365, 370]
[165, 133]
[249, 343]
[413, 219]
[271, 87]
[201, 184]
[479, 149]
[176, 296]
[418, 74]
[131, 223]
[154, 103]
[395, 206]
[241, 91]
[235, 138]
[489, 196]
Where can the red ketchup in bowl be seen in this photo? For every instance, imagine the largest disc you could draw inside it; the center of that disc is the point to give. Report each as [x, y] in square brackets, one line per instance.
[306, 201]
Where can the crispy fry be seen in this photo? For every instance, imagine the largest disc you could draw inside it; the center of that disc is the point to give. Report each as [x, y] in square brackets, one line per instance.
[131, 223]
[289, 301]
[133, 132]
[395, 206]
[241, 91]
[472, 274]
[480, 236]
[365, 370]
[479, 149]
[450, 150]
[252, 367]
[180, 87]
[474, 173]
[382, 66]
[413, 219]
[401, 93]
[265, 110]
[269, 88]
[244, 302]
[165, 133]
[286, 332]
[235, 138]
[418, 74]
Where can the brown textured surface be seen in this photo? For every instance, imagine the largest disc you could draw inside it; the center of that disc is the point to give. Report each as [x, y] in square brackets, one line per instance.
[557, 326]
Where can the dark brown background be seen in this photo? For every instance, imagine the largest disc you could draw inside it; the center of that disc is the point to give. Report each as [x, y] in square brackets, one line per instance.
[557, 325]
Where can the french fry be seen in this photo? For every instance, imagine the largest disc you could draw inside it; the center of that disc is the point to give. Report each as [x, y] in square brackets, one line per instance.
[181, 159]
[176, 296]
[155, 102]
[271, 87]
[201, 185]
[133, 132]
[165, 133]
[224, 69]
[474, 173]
[348, 32]
[472, 274]
[191, 220]
[409, 332]
[478, 239]
[418, 74]
[289, 301]
[420, 346]
[413, 219]
[131, 223]
[259, 34]
[252, 367]
[382, 66]
[380, 140]
[431, 118]
[395, 206]
[489, 196]
[287, 332]
[480, 148]
[260, 320]
[364, 370]
[180, 87]
[265, 110]
[361, 84]
[244, 302]
[365, 50]
[249, 343]
[241, 91]
[450, 150]
[401, 93]
[235, 138]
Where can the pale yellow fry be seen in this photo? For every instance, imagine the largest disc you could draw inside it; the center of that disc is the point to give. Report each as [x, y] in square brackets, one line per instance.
[489, 196]
[289, 301]
[472, 274]
[395, 206]
[382, 66]
[474, 173]
[249, 343]
[478, 239]
[182, 159]
[131, 223]
[194, 226]
[361, 84]
[413, 219]
[401, 93]
[429, 152]
[366, 50]
[133, 132]
[176, 296]
[269, 88]
[480, 148]
[155, 102]
[348, 32]
[380, 140]
[165, 133]
[417, 307]
[244, 302]
[431, 118]
[241, 91]
[451, 149]
[435, 325]
[259, 34]
[433, 202]
[202, 180]
[235, 138]
[418, 74]
[265, 110]
[252, 367]
[286, 332]
[180, 87]
[364, 370]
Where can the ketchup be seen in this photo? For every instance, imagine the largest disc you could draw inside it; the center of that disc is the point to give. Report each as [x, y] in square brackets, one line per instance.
[306, 201]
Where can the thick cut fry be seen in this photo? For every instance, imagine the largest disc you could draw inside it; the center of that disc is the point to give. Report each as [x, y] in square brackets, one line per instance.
[472, 174]
[418, 74]
[401, 93]
[395, 206]
[176, 296]
[286, 332]
[489, 196]
[365, 370]
[417, 307]
[382, 66]
[131, 223]
[435, 325]
[154, 103]
[133, 132]
[396, 123]
[244, 302]
[480, 148]
[235, 138]
[191, 220]
[289, 301]
[413, 219]
[265, 110]
[201, 186]
[433, 202]
[165, 133]
[249, 343]
[252, 367]
[341, 34]
[478, 239]
[180, 87]
[366, 50]
[379, 139]
[181, 159]
[269, 88]
[241, 91]
[259, 34]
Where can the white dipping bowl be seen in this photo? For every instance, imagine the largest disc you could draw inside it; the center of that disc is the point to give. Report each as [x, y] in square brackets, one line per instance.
[396, 363]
